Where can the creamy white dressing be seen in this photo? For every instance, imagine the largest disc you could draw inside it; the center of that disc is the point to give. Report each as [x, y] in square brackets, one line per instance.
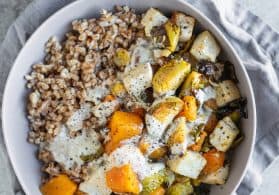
[153, 143]
[141, 53]
[155, 128]
[130, 154]
[75, 122]
[96, 94]
[138, 79]
[68, 151]
[205, 94]
[96, 184]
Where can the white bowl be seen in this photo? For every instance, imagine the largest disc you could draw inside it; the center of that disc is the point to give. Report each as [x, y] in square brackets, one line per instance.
[15, 124]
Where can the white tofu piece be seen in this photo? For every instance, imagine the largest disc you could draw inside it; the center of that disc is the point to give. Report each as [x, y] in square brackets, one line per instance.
[152, 18]
[226, 92]
[224, 134]
[68, 151]
[130, 154]
[138, 79]
[75, 122]
[218, 177]
[205, 47]
[189, 165]
[186, 24]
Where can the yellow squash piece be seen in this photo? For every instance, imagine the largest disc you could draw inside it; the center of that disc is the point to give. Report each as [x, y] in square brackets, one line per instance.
[123, 180]
[169, 77]
[121, 57]
[123, 125]
[190, 108]
[173, 32]
[60, 185]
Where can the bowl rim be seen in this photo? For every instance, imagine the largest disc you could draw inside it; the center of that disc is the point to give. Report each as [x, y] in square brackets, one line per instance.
[76, 3]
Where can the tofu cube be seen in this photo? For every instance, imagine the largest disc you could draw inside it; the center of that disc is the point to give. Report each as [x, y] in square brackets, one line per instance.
[189, 165]
[226, 92]
[152, 18]
[218, 177]
[224, 134]
[186, 24]
[205, 47]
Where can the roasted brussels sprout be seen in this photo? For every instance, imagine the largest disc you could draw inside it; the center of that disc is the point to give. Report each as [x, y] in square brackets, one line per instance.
[180, 189]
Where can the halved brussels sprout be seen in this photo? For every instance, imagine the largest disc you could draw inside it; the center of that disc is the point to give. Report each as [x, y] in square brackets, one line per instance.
[180, 189]
[193, 81]
[154, 181]
[169, 77]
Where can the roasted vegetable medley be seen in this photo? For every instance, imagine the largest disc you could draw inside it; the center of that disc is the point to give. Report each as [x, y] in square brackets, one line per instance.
[162, 120]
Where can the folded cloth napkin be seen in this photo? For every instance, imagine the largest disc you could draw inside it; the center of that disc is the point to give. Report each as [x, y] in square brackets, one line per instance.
[255, 42]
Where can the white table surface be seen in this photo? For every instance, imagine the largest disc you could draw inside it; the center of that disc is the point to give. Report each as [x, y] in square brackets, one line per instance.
[267, 9]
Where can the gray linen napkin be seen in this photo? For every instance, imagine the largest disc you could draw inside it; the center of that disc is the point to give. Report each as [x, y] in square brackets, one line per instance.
[256, 43]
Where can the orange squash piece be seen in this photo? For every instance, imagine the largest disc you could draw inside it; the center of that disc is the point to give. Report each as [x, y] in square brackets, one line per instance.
[109, 98]
[198, 145]
[60, 185]
[158, 191]
[215, 160]
[123, 125]
[123, 180]
[190, 108]
[139, 111]
[143, 146]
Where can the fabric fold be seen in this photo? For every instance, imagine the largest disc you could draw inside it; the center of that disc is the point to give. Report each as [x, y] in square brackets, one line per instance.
[255, 42]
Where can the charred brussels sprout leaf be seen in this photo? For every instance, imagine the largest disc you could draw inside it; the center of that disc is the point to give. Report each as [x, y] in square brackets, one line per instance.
[238, 106]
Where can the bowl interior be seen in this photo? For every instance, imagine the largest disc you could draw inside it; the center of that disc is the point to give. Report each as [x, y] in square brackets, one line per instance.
[15, 124]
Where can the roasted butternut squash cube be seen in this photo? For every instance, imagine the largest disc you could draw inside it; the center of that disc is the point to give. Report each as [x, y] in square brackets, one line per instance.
[123, 125]
[60, 185]
[123, 180]
[214, 161]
